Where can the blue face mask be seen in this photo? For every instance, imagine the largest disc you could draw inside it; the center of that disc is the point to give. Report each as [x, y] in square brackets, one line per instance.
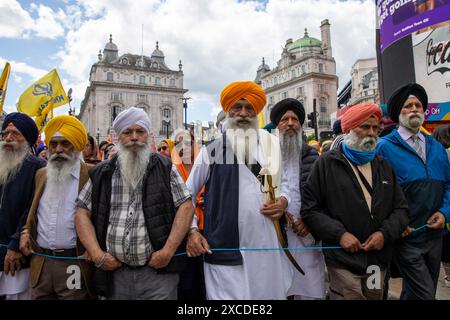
[357, 157]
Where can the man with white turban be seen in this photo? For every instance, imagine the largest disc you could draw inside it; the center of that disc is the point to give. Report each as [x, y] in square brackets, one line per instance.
[235, 214]
[133, 216]
[50, 227]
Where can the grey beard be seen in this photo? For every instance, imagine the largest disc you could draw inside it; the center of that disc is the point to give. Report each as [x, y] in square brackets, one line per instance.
[133, 165]
[365, 144]
[411, 123]
[11, 161]
[291, 146]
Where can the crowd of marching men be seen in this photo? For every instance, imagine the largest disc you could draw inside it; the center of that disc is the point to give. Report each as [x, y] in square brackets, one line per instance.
[253, 214]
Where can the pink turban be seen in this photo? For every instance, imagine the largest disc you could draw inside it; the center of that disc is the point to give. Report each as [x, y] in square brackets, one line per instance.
[358, 114]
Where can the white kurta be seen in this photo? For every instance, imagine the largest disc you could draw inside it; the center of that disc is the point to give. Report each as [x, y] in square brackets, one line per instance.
[264, 274]
[312, 284]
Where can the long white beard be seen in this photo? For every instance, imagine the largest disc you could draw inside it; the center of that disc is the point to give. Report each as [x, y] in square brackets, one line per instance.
[291, 146]
[364, 144]
[411, 122]
[243, 137]
[133, 165]
[59, 172]
[11, 161]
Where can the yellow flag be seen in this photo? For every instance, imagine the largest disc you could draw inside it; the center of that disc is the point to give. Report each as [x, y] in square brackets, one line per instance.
[261, 121]
[41, 97]
[4, 84]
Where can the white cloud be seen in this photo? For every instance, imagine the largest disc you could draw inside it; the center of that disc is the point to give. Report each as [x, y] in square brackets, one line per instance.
[15, 22]
[18, 67]
[219, 41]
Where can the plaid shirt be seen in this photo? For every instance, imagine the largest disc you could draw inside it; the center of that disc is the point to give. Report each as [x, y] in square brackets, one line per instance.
[127, 237]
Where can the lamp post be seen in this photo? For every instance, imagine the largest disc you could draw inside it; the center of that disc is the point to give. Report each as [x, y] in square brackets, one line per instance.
[185, 105]
[166, 124]
[98, 136]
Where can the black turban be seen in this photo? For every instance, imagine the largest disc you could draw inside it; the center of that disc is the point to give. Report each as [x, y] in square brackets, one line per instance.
[398, 98]
[24, 124]
[284, 106]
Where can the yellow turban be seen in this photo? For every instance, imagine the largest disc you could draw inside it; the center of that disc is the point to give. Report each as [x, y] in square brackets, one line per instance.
[247, 90]
[170, 143]
[70, 128]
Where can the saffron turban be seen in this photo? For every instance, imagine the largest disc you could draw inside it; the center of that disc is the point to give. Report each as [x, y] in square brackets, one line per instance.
[24, 124]
[284, 106]
[398, 98]
[70, 128]
[130, 117]
[358, 114]
[247, 90]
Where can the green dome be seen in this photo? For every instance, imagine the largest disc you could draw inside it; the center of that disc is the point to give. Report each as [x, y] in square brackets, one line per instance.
[304, 42]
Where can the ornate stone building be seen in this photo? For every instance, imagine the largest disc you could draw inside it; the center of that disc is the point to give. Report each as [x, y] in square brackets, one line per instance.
[306, 71]
[120, 82]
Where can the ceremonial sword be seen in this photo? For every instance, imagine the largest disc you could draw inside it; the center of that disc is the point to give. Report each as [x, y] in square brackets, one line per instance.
[266, 182]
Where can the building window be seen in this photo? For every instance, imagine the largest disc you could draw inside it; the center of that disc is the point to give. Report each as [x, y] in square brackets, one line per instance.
[172, 82]
[323, 105]
[115, 110]
[142, 79]
[292, 73]
[158, 81]
[109, 76]
[321, 88]
[124, 61]
[116, 97]
[300, 91]
[284, 95]
[320, 67]
[142, 98]
[303, 69]
[271, 100]
[166, 113]
[275, 81]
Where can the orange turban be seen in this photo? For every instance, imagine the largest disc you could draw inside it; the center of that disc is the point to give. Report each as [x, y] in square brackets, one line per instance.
[247, 90]
[359, 113]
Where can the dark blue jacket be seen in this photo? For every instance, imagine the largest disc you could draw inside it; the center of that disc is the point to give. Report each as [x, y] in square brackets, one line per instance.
[426, 185]
[16, 197]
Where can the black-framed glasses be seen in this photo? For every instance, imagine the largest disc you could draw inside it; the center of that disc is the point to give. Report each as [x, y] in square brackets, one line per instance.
[163, 148]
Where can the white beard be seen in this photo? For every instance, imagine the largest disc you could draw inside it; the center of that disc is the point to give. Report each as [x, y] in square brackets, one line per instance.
[11, 161]
[411, 122]
[59, 172]
[291, 146]
[365, 144]
[243, 137]
[133, 165]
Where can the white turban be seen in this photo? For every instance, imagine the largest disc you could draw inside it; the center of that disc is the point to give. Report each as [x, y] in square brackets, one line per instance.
[130, 117]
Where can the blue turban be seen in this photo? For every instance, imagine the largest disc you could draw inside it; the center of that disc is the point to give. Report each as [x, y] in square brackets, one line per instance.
[24, 124]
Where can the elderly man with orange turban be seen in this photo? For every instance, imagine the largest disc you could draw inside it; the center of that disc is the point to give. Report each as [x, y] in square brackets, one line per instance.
[50, 227]
[236, 215]
[353, 200]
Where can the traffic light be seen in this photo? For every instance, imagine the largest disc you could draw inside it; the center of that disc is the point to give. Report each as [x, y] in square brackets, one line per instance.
[311, 120]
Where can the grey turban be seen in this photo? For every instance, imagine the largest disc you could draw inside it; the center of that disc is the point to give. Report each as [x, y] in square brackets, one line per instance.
[131, 117]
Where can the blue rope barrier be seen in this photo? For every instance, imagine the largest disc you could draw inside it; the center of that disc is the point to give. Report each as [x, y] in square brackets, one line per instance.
[219, 249]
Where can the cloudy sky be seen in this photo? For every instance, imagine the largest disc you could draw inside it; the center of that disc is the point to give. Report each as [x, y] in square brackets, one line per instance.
[219, 41]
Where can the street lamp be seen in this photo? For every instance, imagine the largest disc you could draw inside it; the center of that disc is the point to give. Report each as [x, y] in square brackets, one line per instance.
[185, 111]
[166, 124]
[98, 136]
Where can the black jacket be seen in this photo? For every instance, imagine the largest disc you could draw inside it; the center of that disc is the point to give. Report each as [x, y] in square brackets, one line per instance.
[333, 203]
[15, 201]
[309, 157]
[157, 203]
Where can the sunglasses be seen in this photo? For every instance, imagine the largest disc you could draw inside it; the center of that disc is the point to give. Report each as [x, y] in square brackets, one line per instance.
[163, 148]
